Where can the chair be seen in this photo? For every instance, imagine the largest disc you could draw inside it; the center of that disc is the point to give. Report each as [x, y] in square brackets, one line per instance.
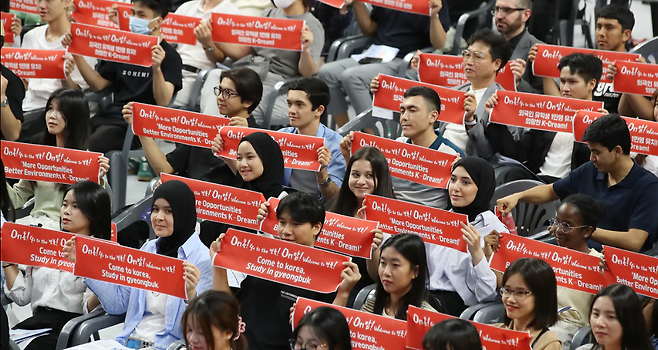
[79, 330]
[508, 170]
[493, 313]
[33, 124]
[354, 39]
[280, 88]
[581, 338]
[469, 313]
[648, 50]
[530, 219]
[387, 128]
[138, 211]
[364, 294]
[402, 71]
[481, 13]
[177, 345]
[566, 27]
[195, 95]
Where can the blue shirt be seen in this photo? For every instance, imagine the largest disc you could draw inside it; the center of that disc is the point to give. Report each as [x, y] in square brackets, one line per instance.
[336, 168]
[629, 204]
[117, 299]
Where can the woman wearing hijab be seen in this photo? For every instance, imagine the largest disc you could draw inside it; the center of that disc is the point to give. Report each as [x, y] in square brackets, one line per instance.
[154, 319]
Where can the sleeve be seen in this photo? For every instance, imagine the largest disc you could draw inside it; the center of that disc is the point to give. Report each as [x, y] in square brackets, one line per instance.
[444, 16]
[569, 185]
[113, 297]
[479, 280]
[108, 70]
[251, 122]
[645, 214]
[318, 38]
[503, 142]
[21, 291]
[15, 94]
[476, 135]
[172, 67]
[20, 193]
[85, 299]
[205, 280]
[179, 159]
[375, 14]
[336, 168]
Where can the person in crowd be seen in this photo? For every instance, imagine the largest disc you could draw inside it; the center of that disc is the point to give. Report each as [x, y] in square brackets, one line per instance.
[154, 85]
[398, 33]
[613, 178]
[265, 304]
[419, 113]
[16, 27]
[453, 334]
[335, 22]
[403, 278]
[530, 297]
[12, 92]
[616, 320]
[7, 212]
[154, 319]
[650, 312]
[67, 120]
[323, 327]
[275, 65]
[551, 155]
[212, 322]
[85, 211]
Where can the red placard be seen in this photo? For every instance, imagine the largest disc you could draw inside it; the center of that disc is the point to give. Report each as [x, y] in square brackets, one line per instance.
[299, 151]
[434, 226]
[390, 93]
[109, 262]
[334, 3]
[281, 261]
[33, 63]
[548, 57]
[573, 269]
[7, 19]
[540, 112]
[179, 29]
[442, 70]
[27, 6]
[636, 78]
[34, 246]
[176, 125]
[410, 162]
[112, 44]
[113, 232]
[419, 321]
[124, 11]
[275, 33]
[94, 12]
[342, 234]
[637, 271]
[505, 77]
[225, 204]
[50, 164]
[421, 7]
[644, 133]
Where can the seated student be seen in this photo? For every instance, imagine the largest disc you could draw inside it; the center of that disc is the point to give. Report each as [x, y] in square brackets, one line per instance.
[530, 296]
[67, 121]
[49, 37]
[275, 65]
[453, 334]
[324, 327]
[419, 113]
[650, 312]
[153, 85]
[7, 211]
[58, 296]
[154, 319]
[399, 31]
[616, 320]
[265, 304]
[12, 92]
[402, 278]
[613, 178]
[212, 322]
[551, 155]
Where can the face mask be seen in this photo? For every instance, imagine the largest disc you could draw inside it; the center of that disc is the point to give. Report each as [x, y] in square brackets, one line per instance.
[140, 25]
[282, 3]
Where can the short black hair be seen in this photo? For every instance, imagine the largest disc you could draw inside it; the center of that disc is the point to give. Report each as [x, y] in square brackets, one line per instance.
[587, 66]
[329, 325]
[499, 47]
[316, 90]
[620, 12]
[538, 275]
[590, 209]
[159, 7]
[247, 84]
[610, 131]
[430, 97]
[302, 207]
[452, 334]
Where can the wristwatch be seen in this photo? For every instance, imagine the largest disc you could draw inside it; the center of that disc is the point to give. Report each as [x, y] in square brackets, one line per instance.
[326, 182]
[4, 103]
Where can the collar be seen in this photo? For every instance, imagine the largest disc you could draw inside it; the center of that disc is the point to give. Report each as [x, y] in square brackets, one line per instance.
[188, 247]
[320, 133]
[628, 181]
[515, 40]
[436, 144]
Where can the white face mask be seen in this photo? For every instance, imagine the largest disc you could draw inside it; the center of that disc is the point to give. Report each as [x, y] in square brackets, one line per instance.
[282, 3]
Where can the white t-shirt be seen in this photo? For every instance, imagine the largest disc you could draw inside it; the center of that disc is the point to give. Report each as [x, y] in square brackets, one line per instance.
[558, 159]
[194, 55]
[457, 133]
[39, 90]
[153, 321]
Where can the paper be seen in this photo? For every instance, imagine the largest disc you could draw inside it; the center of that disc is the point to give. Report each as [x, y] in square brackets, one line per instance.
[386, 53]
[19, 335]
[100, 345]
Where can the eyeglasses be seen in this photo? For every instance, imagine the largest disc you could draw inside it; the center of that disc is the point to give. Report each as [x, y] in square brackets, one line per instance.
[296, 344]
[226, 93]
[563, 226]
[505, 10]
[477, 55]
[518, 294]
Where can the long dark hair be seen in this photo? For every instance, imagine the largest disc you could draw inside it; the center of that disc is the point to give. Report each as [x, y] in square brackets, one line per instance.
[412, 248]
[94, 203]
[6, 205]
[629, 313]
[218, 309]
[453, 334]
[346, 203]
[329, 325]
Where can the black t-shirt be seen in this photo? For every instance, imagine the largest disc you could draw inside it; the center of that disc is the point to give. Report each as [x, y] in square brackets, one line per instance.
[265, 309]
[606, 94]
[405, 31]
[135, 83]
[15, 93]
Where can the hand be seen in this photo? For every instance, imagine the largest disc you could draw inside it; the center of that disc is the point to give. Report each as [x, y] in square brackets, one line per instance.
[435, 7]
[532, 54]
[602, 264]
[217, 144]
[506, 204]
[491, 103]
[3, 87]
[324, 156]
[345, 8]
[69, 66]
[307, 38]
[157, 55]
[641, 59]
[239, 121]
[263, 211]
[104, 163]
[470, 104]
[292, 310]
[415, 61]
[379, 238]
[603, 110]
[113, 14]
[127, 112]
[611, 71]
[191, 277]
[203, 34]
[69, 249]
[16, 26]
[518, 68]
[374, 85]
[67, 40]
[345, 145]
[216, 246]
[491, 244]
[350, 276]
[472, 238]
[452, 166]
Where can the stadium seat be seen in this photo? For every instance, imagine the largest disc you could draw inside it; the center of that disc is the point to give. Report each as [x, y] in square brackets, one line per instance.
[482, 14]
[490, 314]
[364, 294]
[582, 337]
[386, 128]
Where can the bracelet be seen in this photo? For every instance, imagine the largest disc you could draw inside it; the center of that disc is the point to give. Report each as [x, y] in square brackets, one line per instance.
[6, 266]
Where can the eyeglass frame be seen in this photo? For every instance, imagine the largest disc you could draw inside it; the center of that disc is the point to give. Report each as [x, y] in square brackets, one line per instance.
[506, 10]
[561, 226]
[523, 294]
[467, 55]
[218, 90]
[293, 342]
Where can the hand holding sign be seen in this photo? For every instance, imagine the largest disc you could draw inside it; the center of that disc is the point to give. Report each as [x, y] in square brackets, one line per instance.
[350, 276]
[324, 157]
[307, 39]
[518, 68]
[415, 61]
[157, 55]
[69, 249]
[472, 238]
[532, 54]
[470, 104]
[113, 14]
[191, 275]
[16, 26]
[263, 211]
[374, 84]
[346, 146]
[203, 33]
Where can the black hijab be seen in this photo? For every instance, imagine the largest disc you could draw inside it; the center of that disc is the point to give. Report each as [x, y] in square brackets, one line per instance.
[270, 183]
[484, 178]
[183, 207]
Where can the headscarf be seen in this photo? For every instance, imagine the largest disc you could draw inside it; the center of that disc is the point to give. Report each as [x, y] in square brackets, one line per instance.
[270, 183]
[183, 208]
[484, 178]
